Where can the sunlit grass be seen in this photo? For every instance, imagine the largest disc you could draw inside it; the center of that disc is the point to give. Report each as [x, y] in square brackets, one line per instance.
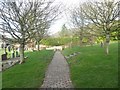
[92, 68]
[29, 74]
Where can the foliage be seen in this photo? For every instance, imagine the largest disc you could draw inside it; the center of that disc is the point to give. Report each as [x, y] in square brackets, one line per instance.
[55, 41]
[59, 41]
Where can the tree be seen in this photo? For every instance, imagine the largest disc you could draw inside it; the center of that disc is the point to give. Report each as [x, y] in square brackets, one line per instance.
[103, 15]
[17, 22]
[20, 20]
[64, 32]
[79, 21]
[44, 18]
[40, 33]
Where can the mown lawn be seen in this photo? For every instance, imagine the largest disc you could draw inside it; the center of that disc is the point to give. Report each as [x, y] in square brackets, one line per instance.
[92, 68]
[29, 74]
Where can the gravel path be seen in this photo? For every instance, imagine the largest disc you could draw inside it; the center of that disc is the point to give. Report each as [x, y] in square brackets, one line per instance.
[57, 75]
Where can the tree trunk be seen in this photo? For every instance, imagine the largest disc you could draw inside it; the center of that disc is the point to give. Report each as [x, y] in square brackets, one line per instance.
[21, 53]
[107, 44]
[38, 48]
[101, 44]
[91, 41]
[81, 41]
[107, 48]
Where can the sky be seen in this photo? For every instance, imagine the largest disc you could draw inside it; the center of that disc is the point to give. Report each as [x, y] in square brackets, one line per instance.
[57, 25]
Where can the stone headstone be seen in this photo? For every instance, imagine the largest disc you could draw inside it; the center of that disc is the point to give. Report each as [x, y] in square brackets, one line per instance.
[66, 57]
[75, 54]
[71, 55]
[13, 55]
[4, 57]
[16, 53]
[9, 48]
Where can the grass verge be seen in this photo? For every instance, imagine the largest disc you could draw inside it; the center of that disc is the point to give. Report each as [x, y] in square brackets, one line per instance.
[92, 68]
[29, 74]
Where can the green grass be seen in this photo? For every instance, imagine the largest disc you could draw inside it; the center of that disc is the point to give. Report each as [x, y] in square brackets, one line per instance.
[29, 74]
[92, 68]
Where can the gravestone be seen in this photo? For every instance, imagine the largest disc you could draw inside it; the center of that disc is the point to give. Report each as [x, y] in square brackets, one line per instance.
[13, 55]
[9, 48]
[17, 54]
[2, 45]
[4, 56]
[66, 57]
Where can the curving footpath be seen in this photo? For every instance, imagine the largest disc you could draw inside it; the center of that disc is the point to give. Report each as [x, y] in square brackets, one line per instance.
[57, 75]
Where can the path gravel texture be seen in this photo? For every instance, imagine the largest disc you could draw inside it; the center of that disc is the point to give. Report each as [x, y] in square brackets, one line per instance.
[57, 75]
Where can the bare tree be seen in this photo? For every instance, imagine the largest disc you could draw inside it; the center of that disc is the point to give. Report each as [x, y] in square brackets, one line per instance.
[17, 21]
[79, 21]
[64, 32]
[103, 15]
[23, 20]
[44, 18]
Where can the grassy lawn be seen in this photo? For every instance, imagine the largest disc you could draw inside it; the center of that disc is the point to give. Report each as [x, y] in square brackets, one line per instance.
[92, 68]
[29, 74]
